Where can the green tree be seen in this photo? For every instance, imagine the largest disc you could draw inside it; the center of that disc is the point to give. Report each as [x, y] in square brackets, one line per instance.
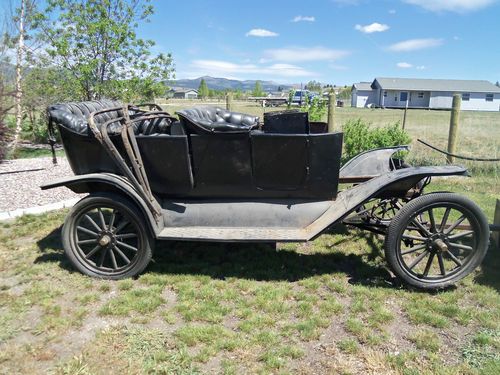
[314, 86]
[257, 90]
[96, 41]
[42, 87]
[203, 91]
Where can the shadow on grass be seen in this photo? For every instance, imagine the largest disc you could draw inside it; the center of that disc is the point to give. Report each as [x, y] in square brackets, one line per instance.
[255, 261]
[489, 268]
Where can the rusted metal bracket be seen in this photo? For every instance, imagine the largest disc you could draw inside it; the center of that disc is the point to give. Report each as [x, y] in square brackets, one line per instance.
[138, 176]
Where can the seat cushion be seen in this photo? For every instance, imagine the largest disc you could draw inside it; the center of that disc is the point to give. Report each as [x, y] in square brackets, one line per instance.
[205, 119]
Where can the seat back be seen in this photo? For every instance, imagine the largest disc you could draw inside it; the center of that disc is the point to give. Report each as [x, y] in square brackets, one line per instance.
[74, 116]
[209, 120]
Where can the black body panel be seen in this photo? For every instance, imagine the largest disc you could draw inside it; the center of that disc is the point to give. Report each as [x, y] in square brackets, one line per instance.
[167, 163]
[280, 161]
[252, 164]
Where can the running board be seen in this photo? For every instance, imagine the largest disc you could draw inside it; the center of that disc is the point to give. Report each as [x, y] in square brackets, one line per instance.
[232, 234]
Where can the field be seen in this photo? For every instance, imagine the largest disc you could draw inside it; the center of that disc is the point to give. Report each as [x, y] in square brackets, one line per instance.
[326, 307]
[479, 131]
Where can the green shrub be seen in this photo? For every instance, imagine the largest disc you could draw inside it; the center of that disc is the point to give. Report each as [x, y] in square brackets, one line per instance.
[360, 136]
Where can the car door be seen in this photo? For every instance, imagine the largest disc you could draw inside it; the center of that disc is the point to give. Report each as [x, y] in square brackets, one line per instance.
[279, 161]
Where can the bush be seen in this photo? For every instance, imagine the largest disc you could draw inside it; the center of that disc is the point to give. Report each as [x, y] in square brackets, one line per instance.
[359, 136]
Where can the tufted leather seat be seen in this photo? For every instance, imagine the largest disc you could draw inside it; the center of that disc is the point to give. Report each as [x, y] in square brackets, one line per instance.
[74, 116]
[209, 120]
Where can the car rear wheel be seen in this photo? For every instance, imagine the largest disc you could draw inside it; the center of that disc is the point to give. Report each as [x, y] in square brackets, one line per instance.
[104, 236]
[436, 240]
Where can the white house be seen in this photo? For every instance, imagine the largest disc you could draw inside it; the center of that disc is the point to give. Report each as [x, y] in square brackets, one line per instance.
[430, 93]
[362, 95]
[182, 93]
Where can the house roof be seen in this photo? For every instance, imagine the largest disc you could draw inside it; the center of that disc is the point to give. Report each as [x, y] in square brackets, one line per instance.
[455, 85]
[182, 90]
[364, 86]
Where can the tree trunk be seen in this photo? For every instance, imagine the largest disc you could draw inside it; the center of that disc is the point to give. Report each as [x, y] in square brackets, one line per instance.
[19, 93]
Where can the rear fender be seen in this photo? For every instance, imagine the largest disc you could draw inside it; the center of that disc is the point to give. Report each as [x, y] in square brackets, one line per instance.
[107, 182]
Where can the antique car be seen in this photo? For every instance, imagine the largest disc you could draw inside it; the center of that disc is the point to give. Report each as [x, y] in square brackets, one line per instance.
[215, 175]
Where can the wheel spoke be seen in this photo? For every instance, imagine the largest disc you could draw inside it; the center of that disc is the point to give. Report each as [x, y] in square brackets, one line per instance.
[122, 225]
[433, 221]
[454, 225]
[127, 246]
[454, 258]
[460, 246]
[418, 260]
[113, 259]
[445, 218]
[103, 256]
[112, 220]
[413, 249]
[421, 227]
[126, 235]
[101, 217]
[88, 231]
[441, 264]
[416, 238]
[93, 251]
[460, 235]
[428, 265]
[120, 253]
[86, 242]
[93, 223]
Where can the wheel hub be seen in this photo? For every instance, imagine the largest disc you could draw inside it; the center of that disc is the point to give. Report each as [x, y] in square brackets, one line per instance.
[436, 243]
[106, 238]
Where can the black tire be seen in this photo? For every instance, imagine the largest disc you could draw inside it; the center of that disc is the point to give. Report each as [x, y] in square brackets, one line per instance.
[113, 244]
[418, 235]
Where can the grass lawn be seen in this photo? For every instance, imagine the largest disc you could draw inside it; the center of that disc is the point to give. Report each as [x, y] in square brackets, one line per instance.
[329, 306]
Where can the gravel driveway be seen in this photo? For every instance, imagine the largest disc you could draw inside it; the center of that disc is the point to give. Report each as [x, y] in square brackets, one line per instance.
[20, 182]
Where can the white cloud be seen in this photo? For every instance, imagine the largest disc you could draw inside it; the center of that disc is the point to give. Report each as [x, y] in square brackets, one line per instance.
[304, 18]
[404, 65]
[392, 11]
[294, 54]
[372, 28]
[229, 69]
[421, 67]
[415, 44]
[458, 6]
[261, 33]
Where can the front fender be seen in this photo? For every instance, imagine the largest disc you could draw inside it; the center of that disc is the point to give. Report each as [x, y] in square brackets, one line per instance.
[348, 200]
[107, 182]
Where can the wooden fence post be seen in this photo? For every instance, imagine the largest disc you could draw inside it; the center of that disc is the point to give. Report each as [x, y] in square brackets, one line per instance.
[229, 101]
[453, 135]
[332, 102]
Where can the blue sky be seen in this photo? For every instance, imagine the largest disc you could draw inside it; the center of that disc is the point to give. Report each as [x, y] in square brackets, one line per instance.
[332, 41]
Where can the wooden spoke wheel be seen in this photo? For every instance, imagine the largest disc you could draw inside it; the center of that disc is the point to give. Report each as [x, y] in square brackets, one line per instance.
[103, 236]
[436, 240]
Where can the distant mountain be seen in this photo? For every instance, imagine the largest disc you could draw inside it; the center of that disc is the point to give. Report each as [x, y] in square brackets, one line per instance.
[224, 83]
